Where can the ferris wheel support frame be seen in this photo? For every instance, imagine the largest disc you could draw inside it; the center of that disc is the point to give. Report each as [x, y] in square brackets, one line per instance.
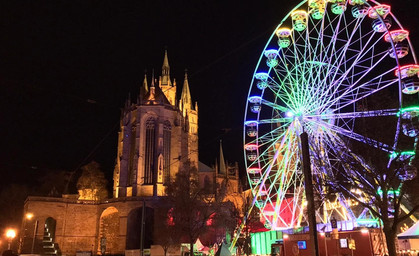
[309, 191]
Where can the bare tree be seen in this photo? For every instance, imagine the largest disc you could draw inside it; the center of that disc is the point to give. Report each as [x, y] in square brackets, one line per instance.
[195, 211]
[371, 172]
[165, 234]
[381, 186]
[249, 221]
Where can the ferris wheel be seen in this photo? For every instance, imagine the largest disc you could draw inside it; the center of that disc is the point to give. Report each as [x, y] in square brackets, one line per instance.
[322, 65]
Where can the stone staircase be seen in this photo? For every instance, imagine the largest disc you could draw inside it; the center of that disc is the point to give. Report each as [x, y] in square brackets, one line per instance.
[50, 248]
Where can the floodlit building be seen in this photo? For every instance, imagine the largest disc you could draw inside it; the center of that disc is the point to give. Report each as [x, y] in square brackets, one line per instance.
[158, 135]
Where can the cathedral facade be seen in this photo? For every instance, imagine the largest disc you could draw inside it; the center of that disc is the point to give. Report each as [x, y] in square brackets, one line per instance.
[158, 135]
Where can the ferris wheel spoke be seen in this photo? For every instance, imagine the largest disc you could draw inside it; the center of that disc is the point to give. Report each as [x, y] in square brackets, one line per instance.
[296, 71]
[349, 45]
[282, 92]
[354, 84]
[358, 137]
[270, 166]
[368, 89]
[275, 120]
[309, 55]
[354, 92]
[283, 140]
[331, 51]
[275, 106]
[342, 150]
[305, 56]
[343, 77]
[273, 134]
[359, 114]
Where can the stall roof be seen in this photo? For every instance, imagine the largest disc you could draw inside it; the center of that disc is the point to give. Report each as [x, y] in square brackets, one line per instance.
[412, 232]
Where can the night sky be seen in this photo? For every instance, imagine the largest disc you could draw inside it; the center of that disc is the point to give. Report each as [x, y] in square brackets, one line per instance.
[66, 68]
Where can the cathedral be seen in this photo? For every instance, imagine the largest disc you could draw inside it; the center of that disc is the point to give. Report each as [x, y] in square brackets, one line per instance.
[158, 134]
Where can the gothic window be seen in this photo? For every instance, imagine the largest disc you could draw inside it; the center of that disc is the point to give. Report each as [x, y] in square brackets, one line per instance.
[167, 136]
[149, 150]
[132, 150]
[231, 171]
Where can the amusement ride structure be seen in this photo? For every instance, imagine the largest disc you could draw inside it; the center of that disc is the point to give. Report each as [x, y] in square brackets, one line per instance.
[324, 60]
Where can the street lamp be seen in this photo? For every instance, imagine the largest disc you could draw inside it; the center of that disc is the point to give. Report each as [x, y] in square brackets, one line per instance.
[29, 216]
[10, 234]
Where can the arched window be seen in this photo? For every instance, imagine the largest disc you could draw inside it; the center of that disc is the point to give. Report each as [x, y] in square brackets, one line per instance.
[167, 136]
[149, 150]
[109, 231]
[132, 150]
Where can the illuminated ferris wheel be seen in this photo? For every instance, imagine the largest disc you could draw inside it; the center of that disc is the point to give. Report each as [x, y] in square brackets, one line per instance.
[322, 63]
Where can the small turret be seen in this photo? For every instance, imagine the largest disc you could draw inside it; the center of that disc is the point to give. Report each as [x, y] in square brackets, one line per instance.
[185, 98]
[223, 168]
[152, 92]
[165, 84]
[145, 84]
[165, 71]
[143, 89]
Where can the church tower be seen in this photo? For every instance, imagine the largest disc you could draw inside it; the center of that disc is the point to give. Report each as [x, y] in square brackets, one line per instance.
[165, 84]
[227, 175]
[158, 134]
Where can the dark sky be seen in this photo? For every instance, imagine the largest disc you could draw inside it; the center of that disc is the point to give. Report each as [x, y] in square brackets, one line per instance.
[66, 68]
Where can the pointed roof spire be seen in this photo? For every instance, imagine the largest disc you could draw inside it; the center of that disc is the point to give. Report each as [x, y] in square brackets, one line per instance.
[145, 84]
[155, 94]
[165, 60]
[223, 169]
[152, 78]
[186, 94]
[165, 70]
[143, 88]
[151, 95]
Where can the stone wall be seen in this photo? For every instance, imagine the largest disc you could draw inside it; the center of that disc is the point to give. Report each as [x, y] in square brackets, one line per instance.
[76, 223]
[80, 225]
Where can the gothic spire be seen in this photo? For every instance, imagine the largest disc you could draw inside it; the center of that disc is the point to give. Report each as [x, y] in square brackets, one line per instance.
[144, 88]
[145, 84]
[223, 169]
[185, 97]
[151, 95]
[152, 78]
[165, 70]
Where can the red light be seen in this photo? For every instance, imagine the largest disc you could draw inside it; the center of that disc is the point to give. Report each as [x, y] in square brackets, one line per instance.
[397, 35]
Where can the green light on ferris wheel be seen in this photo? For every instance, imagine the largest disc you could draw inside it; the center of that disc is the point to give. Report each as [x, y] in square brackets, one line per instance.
[390, 192]
[402, 155]
[408, 109]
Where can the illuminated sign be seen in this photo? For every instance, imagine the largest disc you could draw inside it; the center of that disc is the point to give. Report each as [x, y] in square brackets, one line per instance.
[302, 245]
[343, 243]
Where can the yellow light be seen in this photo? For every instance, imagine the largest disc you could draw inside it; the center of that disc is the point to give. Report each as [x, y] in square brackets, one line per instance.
[11, 233]
[285, 236]
[321, 233]
[29, 216]
[364, 231]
